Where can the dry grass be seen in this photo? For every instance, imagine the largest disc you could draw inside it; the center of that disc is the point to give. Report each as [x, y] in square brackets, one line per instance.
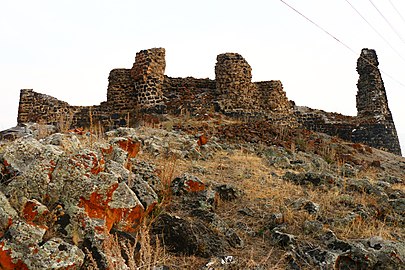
[65, 121]
[141, 254]
[265, 191]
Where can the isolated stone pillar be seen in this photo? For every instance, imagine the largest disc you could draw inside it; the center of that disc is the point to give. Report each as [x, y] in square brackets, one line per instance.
[376, 126]
[371, 99]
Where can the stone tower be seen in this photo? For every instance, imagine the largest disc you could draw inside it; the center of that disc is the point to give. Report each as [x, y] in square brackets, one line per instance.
[148, 76]
[377, 125]
[233, 76]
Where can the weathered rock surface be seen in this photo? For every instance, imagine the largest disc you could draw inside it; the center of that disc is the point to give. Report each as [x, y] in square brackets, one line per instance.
[63, 196]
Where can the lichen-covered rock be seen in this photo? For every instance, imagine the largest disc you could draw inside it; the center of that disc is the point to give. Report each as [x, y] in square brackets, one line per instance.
[35, 164]
[315, 179]
[228, 192]
[216, 223]
[282, 239]
[15, 132]
[61, 184]
[25, 235]
[20, 242]
[27, 152]
[304, 204]
[183, 236]
[398, 205]
[8, 260]
[7, 214]
[187, 183]
[36, 213]
[145, 193]
[148, 173]
[56, 254]
[372, 254]
[130, 145]
[27, 129]
[68, 141]
[103, 205]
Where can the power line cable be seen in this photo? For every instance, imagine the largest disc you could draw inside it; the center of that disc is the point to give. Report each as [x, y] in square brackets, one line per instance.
[386, 20]
[375, 30]
[346, 46]
[395, 8]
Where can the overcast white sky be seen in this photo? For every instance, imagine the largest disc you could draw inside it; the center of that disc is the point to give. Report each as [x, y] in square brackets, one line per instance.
[67, 48]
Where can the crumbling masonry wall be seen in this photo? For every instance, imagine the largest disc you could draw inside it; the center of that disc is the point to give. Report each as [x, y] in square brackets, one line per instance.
[145, 89]
[373, 124]
[239, 95]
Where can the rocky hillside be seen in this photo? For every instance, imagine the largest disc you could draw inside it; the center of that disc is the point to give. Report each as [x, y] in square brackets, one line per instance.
[200, 193]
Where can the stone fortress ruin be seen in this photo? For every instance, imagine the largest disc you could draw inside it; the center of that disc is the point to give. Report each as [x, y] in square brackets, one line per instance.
[145, 89]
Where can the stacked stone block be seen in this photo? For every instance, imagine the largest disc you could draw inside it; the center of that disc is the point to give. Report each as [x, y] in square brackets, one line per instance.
[148, 76]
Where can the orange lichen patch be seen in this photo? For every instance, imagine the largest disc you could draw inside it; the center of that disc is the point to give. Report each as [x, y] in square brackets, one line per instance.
[98, 166]
[6, 163]
[107, 151]
[368, 149]
[97, 207]
[349, 158]
[126, 218]
[362, 148]
[202, 140]
[29, 211]
[51, 169]
[130, 146]
[6, 261]
[194, 186]
[78, 131]
[359, 147]
[88, 161]
[32, 216]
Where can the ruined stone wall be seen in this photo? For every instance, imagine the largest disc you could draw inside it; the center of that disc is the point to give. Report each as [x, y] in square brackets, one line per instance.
[238, 95]
[350, 128]
[373, 125]
[271, 98]
[144, 88]
[148, 75]
[189, 95]
[334, 124]
[40, 108]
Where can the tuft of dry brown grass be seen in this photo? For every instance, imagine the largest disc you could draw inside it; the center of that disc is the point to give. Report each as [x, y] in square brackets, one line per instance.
[121, 254]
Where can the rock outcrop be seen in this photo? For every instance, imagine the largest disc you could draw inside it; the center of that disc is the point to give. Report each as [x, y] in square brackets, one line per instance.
[74, 201]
